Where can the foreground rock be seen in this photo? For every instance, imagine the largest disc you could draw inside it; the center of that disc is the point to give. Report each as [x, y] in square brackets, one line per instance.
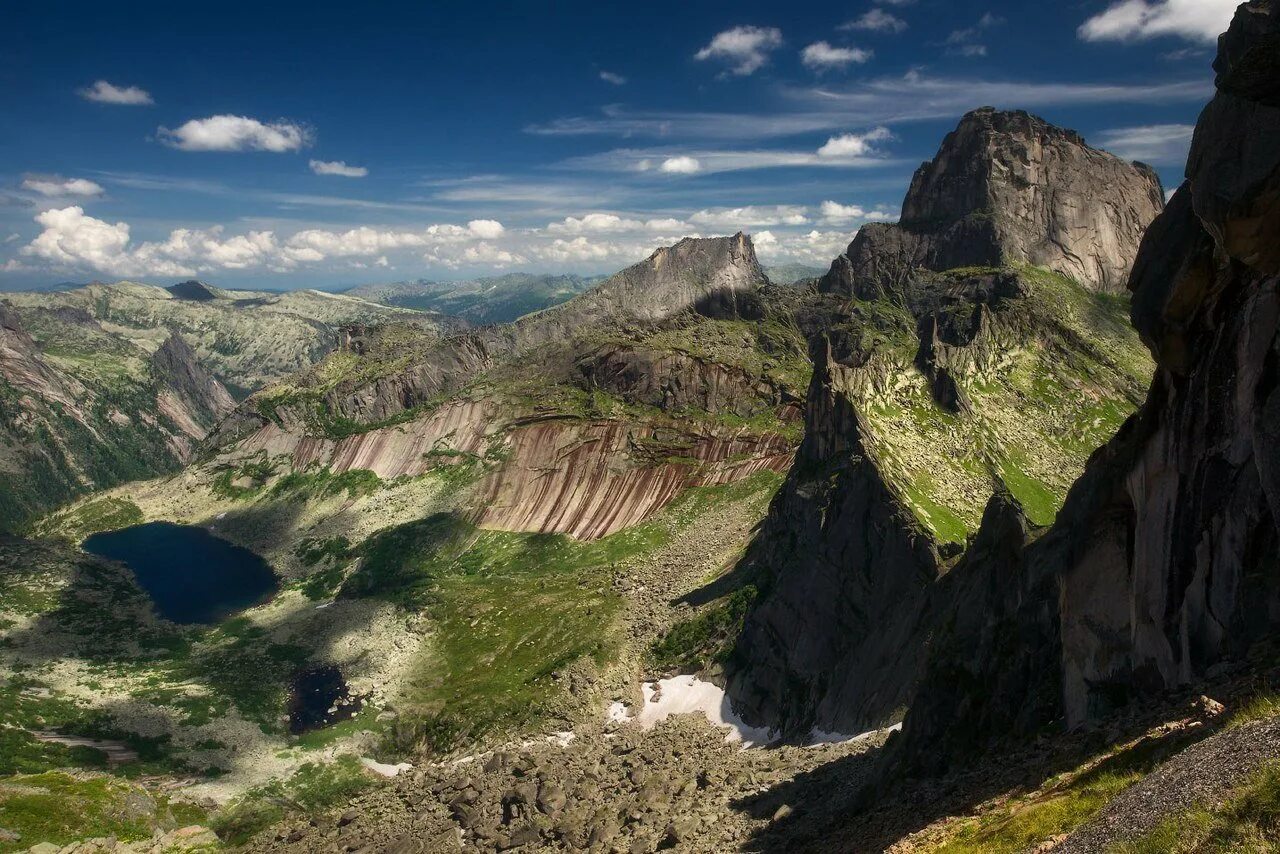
[1162, 566]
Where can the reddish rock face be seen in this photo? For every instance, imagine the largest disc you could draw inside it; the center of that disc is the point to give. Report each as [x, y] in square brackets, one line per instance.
[591, 479]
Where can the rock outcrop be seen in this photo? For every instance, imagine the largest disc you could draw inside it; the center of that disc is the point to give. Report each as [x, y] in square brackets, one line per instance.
[1009, 188]
[947, 370]
[1163, 563]
[189, 393]
[841, 558]
[586, 418]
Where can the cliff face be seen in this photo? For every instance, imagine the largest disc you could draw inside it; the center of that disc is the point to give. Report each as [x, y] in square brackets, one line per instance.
[1009, 188]
[1163, 563]
[934, 390]
[587, 417]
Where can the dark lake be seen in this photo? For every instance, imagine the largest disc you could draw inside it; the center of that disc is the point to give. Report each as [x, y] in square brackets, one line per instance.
[319, 697]
[191, 575]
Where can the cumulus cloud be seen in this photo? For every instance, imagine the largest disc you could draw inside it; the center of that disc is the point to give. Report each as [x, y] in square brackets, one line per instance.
[107, 93]
[338, 167]
[834, 213]
[1157, 144]
[876, 20]
[821, 56]
[55, 186]
[615, 79]
[1133, 20]
[72, 239]
[854, 144]
[236, 133]
[745, 49]
[813, 247]
[680, 165]
[751, 216]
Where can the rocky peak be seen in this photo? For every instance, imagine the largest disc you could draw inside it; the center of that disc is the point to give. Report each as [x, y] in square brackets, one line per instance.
[1009, 188]
[176, 366]
[716, 276]
[193, 290]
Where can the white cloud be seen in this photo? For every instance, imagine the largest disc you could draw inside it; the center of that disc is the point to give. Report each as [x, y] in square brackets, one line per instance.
[895, 2]
[486, 229]
[236, 133]
[594, 223]
[107, 93]
[751, 216]
[745, 49]
[834, 213]
[813, 247]
[338, 167]
[53, 186]
[912, 96]
[71, 239]
[854, 144]
[1157, 144]
[615, 79]
[13, 238]
[683, 165]
[876, 20]
[820, 56]
[969, 50]
[1133, 20]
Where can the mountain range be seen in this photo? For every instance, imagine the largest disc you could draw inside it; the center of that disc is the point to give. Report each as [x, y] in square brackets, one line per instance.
[976, 530]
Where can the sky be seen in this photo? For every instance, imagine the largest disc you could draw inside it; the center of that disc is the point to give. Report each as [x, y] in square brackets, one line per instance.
[283, 145]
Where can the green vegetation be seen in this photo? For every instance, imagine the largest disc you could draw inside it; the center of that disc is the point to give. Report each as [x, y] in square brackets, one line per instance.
[1258, 707]
[313, 788]
[1051, 377]
[514, 613]
[1065, 803]
[244, 480]
[61, 808]
[100, 514]
[693, 644]
[1248, 821]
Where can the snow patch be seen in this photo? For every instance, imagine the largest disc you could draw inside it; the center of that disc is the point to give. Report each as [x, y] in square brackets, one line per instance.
[384, 769]
[684, 695]
[619, 713]
[820, 737]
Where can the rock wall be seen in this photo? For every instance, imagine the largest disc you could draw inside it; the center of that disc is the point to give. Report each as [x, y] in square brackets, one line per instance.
[1009, 188]
[1165, 561]
[838, 559]
[590, 479]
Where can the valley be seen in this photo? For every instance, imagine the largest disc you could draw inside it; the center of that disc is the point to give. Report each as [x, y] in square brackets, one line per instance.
[965, 543]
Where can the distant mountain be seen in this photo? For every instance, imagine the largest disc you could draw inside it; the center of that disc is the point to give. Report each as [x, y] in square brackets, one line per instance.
[482, 301]
[790, 274]
[102, 384]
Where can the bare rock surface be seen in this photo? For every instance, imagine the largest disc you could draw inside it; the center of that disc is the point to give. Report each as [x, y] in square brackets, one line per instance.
[1009, 188]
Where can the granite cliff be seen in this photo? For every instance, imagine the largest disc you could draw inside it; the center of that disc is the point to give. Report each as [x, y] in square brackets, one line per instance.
[1162, 565]
[948, 368]
[1009, 188]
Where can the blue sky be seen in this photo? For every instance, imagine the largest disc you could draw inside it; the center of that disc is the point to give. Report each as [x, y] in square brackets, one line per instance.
[284, 144]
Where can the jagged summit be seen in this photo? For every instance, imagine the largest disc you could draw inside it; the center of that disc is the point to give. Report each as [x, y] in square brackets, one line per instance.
[1009, 188]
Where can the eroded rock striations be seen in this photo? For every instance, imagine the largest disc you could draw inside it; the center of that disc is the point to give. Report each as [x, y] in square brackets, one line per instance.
[1163, 563]
[1009, 188]
[588, 416]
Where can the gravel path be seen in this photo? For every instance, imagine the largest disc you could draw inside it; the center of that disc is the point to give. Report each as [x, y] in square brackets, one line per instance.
[1202, 774]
